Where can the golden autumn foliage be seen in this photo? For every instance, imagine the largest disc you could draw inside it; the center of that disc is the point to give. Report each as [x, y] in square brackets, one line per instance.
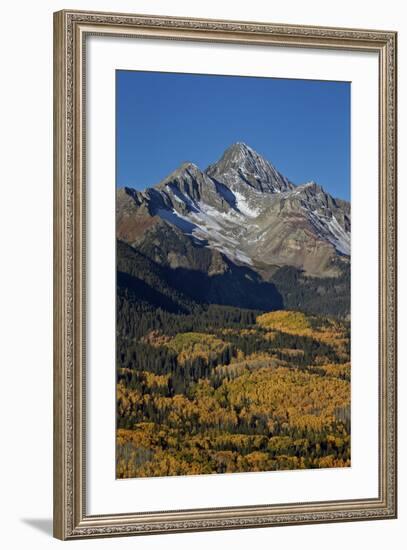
[284, 406]
[293, 322]
[190, 345]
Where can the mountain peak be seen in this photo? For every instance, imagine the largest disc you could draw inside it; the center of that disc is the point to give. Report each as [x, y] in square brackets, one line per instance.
[187, 170]
[243, 208]
[189, 166]
[240, 152]
[241, 166]
[241, 147]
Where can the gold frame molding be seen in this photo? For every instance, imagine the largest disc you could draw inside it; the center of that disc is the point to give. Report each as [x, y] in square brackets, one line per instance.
[70, 31]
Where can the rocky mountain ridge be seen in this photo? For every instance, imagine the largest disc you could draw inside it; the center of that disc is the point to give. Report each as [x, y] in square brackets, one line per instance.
[241, 208]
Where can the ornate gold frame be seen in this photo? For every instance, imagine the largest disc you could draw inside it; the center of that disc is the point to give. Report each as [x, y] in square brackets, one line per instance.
[70, 518]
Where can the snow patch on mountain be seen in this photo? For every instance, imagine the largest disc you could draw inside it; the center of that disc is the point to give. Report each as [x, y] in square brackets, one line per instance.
[207, 225]
[342, 239]
[332, 231]
[244, 206]
[174, 218]
[180, 197]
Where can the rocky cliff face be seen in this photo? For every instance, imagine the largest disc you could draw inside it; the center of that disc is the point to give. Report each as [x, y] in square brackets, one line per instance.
[239, 209]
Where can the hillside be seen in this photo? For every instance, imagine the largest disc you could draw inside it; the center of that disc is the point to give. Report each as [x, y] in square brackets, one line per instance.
[241, 396]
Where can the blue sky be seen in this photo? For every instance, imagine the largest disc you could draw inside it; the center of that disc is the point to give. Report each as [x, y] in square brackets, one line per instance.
[164, 119]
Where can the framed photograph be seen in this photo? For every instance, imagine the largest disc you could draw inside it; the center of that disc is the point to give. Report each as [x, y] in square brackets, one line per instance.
[225, 274]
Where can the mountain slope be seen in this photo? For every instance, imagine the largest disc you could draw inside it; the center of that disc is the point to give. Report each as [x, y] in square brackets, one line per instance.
[239, 234]
[205, 278]
[244, 208]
